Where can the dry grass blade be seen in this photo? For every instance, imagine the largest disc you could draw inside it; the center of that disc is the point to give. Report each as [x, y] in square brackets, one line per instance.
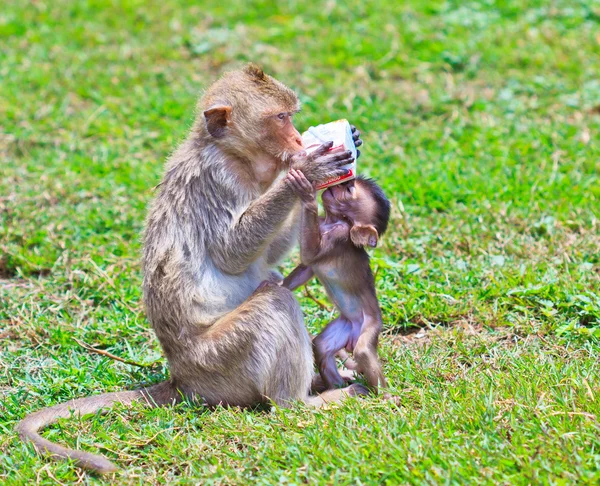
[308, 294]
[102, 352]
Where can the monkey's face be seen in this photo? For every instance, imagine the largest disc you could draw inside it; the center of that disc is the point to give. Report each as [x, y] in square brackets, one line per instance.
[250, 113]
[356, 203]
[351, 201]
[280, 139]
[339, 200]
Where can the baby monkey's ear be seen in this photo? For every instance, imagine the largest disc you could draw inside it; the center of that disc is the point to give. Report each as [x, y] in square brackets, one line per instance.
[362, 235]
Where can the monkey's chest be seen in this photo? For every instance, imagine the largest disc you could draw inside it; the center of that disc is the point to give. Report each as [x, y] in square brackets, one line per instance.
[340, 291]
[218, 293]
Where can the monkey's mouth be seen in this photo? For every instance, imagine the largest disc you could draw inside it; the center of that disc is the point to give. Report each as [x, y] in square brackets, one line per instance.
[329, 199]
[328, 193]
[332, 193]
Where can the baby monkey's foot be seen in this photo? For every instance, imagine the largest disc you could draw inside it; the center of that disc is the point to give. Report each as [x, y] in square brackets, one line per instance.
[346, 360]
[318, 384]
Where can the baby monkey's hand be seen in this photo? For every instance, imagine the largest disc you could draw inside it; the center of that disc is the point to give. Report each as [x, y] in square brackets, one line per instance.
[301, 185]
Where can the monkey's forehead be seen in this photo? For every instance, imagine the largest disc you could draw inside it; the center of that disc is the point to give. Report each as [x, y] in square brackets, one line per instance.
[238, 88]
[286, 96]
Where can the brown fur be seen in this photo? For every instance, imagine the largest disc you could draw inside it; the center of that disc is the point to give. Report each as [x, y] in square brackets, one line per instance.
[220, 221]
[333, 249]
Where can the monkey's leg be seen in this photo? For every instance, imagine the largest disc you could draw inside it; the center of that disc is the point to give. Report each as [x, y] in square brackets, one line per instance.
[261, 351]
[346, 360]
[334, 337]
[299, 356]
[348, 374]
[365, 355]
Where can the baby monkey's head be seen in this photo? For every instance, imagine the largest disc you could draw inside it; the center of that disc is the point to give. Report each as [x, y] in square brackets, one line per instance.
[363, 205]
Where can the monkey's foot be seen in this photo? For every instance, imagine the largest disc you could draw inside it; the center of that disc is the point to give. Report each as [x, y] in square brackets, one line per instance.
[318, 384]
[346, 360]
[393, 398]
[347, 375]
[337, 395]
[356, 389]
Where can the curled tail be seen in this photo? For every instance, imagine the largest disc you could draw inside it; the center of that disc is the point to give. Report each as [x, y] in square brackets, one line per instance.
[28, 429]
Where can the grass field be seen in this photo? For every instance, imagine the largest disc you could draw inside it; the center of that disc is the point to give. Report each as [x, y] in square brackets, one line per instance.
[480, 120]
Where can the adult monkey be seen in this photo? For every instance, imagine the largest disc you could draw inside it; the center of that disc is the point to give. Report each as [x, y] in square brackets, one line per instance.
[219, 223]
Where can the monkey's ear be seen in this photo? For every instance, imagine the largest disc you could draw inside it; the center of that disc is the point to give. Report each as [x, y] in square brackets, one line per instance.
[217, 118]
[364, 235]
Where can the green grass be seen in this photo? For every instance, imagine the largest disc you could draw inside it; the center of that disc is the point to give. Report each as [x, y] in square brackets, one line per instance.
[481, 122]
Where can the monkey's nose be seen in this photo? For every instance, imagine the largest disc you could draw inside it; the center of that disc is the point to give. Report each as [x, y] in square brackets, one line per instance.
[299, 141]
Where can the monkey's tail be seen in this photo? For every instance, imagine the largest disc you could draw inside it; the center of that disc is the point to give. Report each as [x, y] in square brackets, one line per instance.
[28, 428]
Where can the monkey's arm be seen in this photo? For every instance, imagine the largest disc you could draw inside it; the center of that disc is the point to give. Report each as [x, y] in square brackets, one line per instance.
[256, 228]
[310, 237]
[286, 238]
[298, 277]
[247, 237]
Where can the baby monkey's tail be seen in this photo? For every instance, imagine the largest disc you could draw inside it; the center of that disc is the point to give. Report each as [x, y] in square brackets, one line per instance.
[28, 429]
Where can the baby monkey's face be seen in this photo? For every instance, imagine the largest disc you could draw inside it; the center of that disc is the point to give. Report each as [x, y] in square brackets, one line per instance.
[351, 201]
[362, 204]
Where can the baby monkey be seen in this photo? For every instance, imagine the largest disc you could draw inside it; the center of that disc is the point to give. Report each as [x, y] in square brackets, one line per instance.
[333, 249]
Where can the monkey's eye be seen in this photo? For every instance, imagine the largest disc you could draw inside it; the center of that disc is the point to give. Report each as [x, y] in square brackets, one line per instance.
[282, 116]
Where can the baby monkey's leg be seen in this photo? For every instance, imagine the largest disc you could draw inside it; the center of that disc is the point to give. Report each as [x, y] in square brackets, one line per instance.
[346, 360]
[334, 337]
[348, 375]
[365, 354]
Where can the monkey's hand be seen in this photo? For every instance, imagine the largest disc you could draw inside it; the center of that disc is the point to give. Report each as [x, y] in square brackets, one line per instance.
[319, 165]
[304, 189]
[357, 140]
